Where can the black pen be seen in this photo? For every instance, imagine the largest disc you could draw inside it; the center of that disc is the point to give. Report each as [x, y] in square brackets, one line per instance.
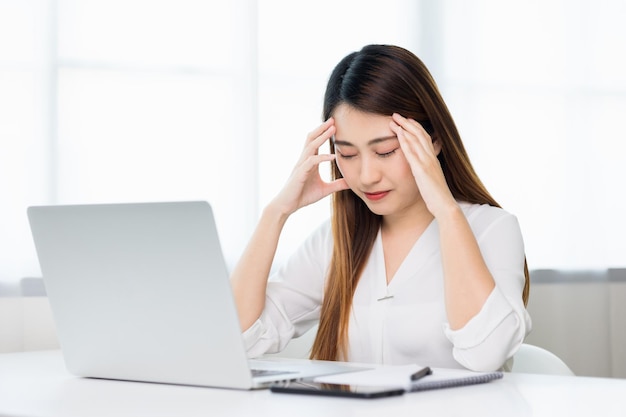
[421, 373]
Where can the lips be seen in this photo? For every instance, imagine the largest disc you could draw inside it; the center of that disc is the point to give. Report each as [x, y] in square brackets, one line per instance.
[376, 196]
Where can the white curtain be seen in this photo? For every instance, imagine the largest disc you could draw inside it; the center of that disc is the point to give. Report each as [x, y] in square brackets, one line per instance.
[138, 100]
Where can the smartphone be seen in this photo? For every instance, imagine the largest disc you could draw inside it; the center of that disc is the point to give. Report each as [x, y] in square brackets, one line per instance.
[336, 390]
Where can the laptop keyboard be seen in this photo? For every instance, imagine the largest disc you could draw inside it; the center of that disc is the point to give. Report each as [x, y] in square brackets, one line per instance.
[269, 372]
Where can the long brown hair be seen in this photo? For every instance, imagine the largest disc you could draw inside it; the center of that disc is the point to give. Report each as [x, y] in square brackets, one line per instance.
[383, 79]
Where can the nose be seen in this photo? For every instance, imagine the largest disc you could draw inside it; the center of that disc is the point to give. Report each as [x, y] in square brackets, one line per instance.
[371, 172]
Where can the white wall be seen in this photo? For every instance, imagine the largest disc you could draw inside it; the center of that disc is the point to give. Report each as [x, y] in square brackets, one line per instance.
[579, 316]
[26, 324]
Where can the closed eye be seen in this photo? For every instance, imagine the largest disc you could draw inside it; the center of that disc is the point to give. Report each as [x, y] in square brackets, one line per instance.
[345, 156]
[387, 154]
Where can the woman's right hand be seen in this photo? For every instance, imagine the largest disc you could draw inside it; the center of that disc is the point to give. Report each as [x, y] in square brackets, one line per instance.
[305, 185]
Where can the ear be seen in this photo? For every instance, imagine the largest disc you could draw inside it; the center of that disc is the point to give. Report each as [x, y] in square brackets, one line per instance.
[436, 144]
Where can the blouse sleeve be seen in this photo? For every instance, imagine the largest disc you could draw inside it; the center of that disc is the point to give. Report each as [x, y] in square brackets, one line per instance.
[293, 297]
[493, 336]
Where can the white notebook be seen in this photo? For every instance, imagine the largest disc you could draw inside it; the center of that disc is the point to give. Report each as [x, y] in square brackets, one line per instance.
[400, 376]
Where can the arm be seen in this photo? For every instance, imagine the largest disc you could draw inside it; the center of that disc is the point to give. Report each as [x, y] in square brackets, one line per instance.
[487, 320]
[495, 333]
[293, 296]
[467, 280]
[304, 187]
[249, 277]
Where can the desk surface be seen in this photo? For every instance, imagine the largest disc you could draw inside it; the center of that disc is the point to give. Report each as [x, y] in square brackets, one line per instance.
[37, 384]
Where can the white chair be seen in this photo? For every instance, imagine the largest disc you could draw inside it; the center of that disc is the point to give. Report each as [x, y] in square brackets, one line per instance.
[535, 360]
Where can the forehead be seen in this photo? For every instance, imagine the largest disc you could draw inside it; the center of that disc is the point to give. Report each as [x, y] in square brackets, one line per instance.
[358, 127]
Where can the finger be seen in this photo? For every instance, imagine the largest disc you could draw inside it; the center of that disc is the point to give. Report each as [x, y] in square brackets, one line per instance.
[409, 124]
[311, 162]
[414, 127]
[414, 145]
[316, 138]
[409, 146]
[321, 129]
[336, 185]
[312, 148]
[418, 158]
[313, 143]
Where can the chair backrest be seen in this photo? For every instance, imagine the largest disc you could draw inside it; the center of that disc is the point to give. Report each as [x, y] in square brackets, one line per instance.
[535, 360]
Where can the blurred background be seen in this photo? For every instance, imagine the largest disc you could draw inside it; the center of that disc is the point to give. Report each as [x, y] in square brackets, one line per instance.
[152, 100]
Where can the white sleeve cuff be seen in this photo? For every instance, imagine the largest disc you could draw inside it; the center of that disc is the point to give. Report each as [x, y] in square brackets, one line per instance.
[255, 340]
[491, 337]
[495, 310]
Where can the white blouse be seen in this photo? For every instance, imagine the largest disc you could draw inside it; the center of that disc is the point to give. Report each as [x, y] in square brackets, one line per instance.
[405, 322]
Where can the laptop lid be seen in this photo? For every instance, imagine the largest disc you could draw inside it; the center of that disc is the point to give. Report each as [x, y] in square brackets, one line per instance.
[141, 292]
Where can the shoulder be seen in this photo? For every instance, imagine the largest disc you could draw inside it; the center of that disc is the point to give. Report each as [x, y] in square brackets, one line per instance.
[319, 243]
[308, 260]
[482, 217]
[322, 234]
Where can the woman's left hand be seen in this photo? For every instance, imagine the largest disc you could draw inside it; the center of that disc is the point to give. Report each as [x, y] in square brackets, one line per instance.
[421, 153]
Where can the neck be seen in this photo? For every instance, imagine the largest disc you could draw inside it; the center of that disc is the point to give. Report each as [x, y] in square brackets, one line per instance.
[417, 218]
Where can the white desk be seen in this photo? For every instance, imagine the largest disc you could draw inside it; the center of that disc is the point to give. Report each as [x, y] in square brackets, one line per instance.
[37, 384]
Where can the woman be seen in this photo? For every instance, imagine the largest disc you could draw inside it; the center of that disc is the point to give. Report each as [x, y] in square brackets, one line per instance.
[418, 263]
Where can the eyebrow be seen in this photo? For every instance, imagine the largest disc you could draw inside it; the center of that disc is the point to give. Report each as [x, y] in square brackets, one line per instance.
[370, 142]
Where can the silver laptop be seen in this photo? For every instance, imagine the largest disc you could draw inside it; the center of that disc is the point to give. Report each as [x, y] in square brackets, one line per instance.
[141, 292]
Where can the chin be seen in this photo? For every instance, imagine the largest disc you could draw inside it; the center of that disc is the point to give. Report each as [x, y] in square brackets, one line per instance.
[378, 208]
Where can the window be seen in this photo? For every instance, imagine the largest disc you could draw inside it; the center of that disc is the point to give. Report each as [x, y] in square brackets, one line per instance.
[538, 89]
[138, 100]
